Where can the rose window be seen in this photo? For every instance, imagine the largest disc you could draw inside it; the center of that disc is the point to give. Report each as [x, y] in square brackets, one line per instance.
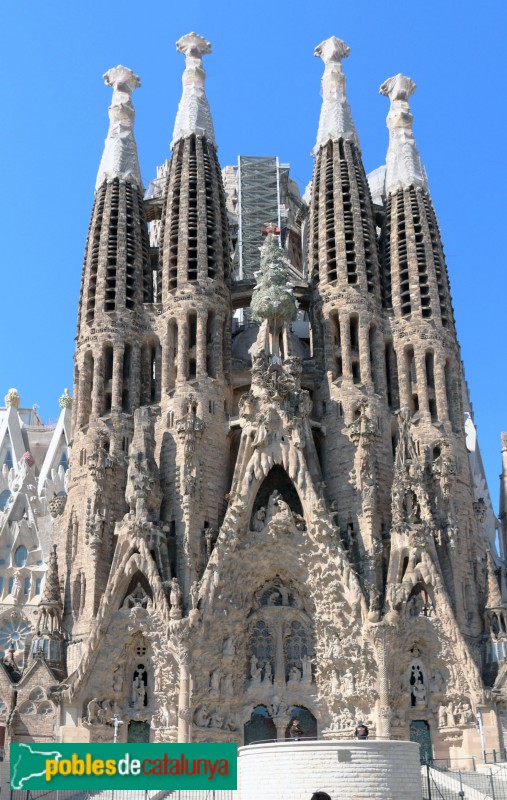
[13, 633]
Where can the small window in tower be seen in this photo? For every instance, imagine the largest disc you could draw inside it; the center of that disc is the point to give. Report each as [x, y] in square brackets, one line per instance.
[38, 585]
[192, 330]
[354, 324]
[4, 499]
[20, 556]
[27, 586]
[356, 375]
[192, 368]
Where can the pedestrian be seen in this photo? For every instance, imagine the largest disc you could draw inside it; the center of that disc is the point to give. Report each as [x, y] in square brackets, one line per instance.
[361, 731]
[295, 732]
[320, 796]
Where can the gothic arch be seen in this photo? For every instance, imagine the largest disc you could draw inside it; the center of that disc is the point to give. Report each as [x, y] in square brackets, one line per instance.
[277, 480]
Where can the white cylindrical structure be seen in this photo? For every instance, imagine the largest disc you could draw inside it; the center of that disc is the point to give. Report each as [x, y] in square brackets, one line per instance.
[346, 770]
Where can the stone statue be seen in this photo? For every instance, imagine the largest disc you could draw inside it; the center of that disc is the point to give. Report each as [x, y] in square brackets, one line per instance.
[201, 717]
[215, 680]
[294, 675]
[175, 599]
[259, 519]
[138, 692]
[268, 673]
[255, 670]
[194, 595]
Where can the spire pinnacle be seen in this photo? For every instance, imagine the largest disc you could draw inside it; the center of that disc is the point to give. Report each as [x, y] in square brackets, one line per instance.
[403, 163]
[194, 115]
[119, 159]
[335, 116]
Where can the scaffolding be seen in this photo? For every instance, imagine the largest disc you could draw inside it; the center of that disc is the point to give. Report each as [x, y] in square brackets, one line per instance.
[258, 204]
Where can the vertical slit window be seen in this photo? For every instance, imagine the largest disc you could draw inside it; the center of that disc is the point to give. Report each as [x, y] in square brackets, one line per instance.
[192, 262]
[348, 218]
[210, 212]
[93, 252]
[330, 227]
[112, 246]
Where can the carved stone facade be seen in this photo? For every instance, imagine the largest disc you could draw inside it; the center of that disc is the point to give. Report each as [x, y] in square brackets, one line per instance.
[294, 534]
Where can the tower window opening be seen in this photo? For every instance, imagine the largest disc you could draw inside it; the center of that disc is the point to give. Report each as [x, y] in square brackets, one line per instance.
[330, 227]
[192, 330]
[430, 372]
[314, 232]
[354, 332]
[356, 374]
[386, 257]
[211, 326]
[112, 247]
[93, 249]
[172, 223]
[210, 211]
[192, 262]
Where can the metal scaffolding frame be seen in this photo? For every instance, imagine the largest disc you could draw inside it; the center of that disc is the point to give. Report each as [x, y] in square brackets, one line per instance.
[258, 205]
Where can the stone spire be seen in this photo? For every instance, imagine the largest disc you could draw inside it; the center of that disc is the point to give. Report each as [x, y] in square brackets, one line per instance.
[503, 482]
[335, 116]
[403, 163]
[494, 598]
[51, 602]
[194, 115]
[119, 159]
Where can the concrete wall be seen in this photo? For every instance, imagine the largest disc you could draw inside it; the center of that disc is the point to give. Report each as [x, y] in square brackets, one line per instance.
[347, 770]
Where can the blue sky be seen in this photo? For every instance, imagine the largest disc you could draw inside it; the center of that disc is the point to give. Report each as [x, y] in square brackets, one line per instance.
[263, 87]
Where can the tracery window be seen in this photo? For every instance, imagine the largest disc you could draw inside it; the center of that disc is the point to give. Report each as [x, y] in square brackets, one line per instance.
[13, 633]
[280, 647]
[261, 642]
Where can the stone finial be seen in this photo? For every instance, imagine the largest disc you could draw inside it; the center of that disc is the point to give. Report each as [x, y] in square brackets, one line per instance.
[12, 398]
[403, 163]
[119, 159]
[51, 595]
[194, 115]
[494, 597]
[335, 116]
[65, 401]
[503, 437]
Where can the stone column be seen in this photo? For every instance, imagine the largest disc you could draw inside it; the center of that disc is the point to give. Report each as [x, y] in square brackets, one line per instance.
[135, 378]
[440, 390]
[183, 349]
[364, 352]
[345, 337]
[184, 710]
[279, 678]
[422, 388]
[404, 384]
[117, 391]
[379, 367]
[98, 386]
[384, 705]
[200, 345]
[145, 374]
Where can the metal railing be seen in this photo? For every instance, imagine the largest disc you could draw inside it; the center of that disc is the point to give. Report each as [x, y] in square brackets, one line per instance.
[447, 784]
[495, 756]
[126, 794]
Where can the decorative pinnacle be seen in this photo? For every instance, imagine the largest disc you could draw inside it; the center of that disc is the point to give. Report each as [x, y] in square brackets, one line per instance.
[335, 116]
[119, 159]
[65, 400]
[12, 398]
[194, 115]
[403, 162]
